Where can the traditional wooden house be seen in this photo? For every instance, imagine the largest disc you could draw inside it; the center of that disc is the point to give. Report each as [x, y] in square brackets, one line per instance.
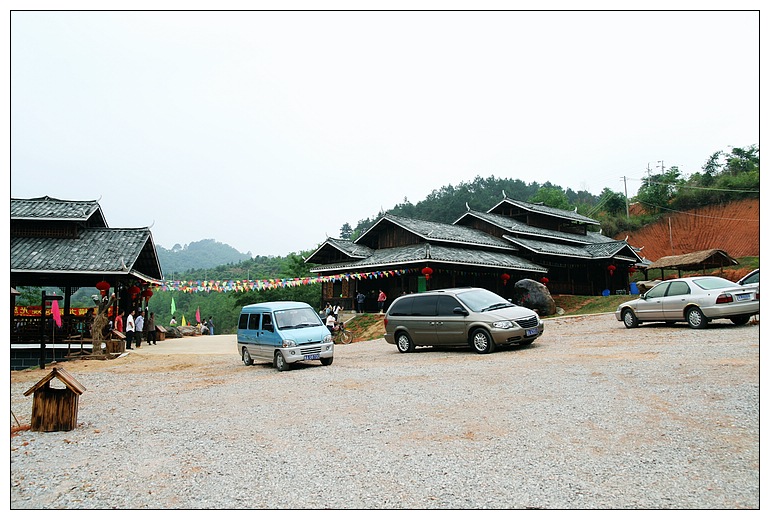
[68, 244]
[493, 249]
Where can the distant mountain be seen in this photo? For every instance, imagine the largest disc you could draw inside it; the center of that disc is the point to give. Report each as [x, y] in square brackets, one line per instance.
[202, 254]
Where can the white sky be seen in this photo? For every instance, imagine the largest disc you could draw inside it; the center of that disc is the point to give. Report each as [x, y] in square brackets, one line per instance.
[269, 130]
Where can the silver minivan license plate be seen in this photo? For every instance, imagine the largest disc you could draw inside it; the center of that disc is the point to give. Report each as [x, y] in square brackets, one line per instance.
[312, 356]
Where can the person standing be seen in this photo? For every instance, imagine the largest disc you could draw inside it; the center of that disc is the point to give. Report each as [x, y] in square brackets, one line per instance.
[151, 329]
[130, 329]
[210, 325]
[330, 322]
[139, 324]
[118, 326]
[381, 301]
[360, 297]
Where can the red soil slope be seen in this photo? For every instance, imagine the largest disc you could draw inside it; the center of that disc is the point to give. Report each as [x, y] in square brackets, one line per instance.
[732, 227]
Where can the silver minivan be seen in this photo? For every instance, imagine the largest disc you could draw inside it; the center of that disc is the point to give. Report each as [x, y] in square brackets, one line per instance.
[457, 317]
[283, 333]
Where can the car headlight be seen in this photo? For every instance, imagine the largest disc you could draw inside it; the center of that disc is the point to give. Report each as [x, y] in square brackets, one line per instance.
[502, 324]
[289, 343]
[328, 338]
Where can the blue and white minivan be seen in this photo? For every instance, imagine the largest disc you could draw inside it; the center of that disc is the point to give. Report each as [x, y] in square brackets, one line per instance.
[283, 333]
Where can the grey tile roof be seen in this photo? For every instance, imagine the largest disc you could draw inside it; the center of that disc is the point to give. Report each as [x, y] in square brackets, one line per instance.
[47, 208]
[520, 228]
[349, 247]
[572, 216]
[422, 253]
[438, 232]
[588, 251]
[96, 250]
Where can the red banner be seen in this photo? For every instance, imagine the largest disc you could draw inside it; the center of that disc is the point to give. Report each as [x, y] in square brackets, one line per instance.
[33, 311]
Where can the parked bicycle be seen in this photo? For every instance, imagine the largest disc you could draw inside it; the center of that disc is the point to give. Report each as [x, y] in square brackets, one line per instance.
[341, 334]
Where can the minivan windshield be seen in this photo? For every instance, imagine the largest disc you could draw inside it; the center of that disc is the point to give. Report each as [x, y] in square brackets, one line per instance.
[481, 300]
[297, 319]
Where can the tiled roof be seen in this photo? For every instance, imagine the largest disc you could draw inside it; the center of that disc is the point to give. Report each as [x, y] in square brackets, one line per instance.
[47, 208]
[572, 216]
[349, 247]
[96, 250]
[421, 253]
[589, 251]
[518, 227]
[438, 232]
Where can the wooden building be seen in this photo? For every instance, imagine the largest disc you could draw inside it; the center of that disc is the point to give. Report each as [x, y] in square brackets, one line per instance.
[67, 244]
[492, 249]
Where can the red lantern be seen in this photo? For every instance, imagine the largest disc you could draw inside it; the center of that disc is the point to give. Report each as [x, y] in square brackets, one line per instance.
[544, 280]
[505, 277]
[611, 269]
[427, 271]
[631, 270]
[134, 292]
[147, 294]
[103, 287]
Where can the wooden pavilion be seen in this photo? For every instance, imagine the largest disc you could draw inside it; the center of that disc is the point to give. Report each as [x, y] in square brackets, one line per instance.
[695, 261]
[67, 244]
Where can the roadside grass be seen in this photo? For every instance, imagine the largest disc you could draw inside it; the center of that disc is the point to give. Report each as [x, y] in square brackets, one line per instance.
[573, 305]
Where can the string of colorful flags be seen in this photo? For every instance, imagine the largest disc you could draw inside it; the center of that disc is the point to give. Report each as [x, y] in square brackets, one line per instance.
[272, 283]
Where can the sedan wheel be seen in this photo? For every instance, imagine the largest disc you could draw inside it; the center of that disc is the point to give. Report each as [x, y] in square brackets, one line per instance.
[741, 320]
[696, 319]
[482, 342]
[629, 319]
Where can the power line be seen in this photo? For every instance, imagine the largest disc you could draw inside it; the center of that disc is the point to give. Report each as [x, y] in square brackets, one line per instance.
[693, 187]
[699, 215]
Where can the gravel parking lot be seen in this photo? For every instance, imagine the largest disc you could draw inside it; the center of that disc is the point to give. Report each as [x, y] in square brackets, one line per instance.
[592, 415]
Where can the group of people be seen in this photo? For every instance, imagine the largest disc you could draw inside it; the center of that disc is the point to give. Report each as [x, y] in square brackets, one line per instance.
[332, 316]
[361, 298]
[136, 328]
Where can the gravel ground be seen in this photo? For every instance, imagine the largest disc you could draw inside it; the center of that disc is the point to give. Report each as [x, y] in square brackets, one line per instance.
[592, 415]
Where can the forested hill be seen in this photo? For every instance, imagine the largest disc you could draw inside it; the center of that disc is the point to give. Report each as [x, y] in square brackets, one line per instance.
[448, 203]
[198, 255]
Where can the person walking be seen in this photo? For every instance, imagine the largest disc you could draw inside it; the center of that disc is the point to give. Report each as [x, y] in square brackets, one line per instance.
[210, 325]
[381, 301]
[151, 329]
[139, 324]
[130, 329]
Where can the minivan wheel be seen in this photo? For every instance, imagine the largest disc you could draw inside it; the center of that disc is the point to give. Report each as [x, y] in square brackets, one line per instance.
[404, 343]
[247, 357]
[695, 318]
[280, 362]
[482, 342]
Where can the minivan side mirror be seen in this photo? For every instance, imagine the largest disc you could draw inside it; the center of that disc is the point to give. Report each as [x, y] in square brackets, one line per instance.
[460, 311]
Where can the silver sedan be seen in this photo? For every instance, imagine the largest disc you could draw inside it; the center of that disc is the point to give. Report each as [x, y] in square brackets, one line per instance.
[696, 300]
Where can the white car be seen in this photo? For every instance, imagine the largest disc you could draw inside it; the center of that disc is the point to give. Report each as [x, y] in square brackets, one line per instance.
[751, 280]
[696, 300]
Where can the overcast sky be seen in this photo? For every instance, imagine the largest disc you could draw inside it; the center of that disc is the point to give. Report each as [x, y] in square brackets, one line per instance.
[269, 130]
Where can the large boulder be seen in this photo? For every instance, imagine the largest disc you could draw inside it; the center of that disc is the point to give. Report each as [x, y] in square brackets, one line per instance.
[534, 295]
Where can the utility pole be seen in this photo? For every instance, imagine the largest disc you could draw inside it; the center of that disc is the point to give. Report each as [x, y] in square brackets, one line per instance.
[662, 169]
[625, 188]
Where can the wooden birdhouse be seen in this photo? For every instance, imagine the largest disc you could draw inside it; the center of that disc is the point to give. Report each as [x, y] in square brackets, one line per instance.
[55, 409]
